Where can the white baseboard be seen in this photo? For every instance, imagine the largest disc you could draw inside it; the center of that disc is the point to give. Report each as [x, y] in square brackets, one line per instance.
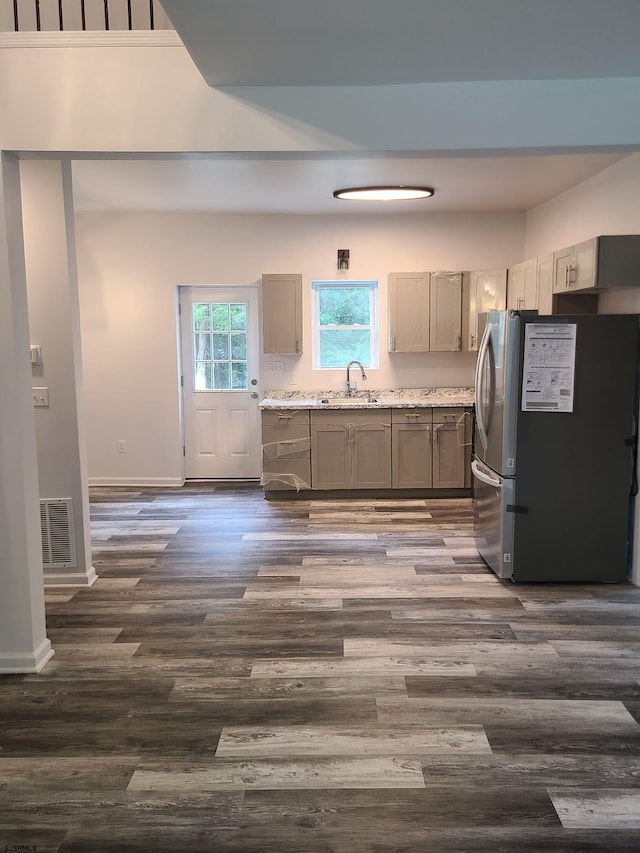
[79, 580]
[171, 482]
[27, 661]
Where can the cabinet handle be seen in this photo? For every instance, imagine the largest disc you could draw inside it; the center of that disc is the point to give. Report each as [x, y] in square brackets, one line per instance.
[393, 343]
[473, 342]
[297, 347]
[566, 276]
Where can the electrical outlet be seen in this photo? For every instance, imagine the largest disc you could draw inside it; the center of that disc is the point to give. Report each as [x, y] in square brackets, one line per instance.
[122, 445]
[292, 379]
[275, 366]
[40, 397]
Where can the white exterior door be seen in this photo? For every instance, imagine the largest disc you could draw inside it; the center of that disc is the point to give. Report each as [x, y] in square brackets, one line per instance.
[220, 362]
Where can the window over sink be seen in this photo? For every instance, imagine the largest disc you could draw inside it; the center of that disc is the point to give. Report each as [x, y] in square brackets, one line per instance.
[345, 323]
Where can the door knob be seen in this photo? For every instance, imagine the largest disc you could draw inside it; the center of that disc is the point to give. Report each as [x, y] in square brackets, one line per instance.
[254, 381]
[254, 395]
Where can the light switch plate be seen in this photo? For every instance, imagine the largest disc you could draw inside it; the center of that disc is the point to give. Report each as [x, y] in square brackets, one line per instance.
[41, 397]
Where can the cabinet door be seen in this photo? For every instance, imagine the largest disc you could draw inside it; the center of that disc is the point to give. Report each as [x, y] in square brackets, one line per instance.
[487, 292]
[545, 284]
[330, 456]
[282, 314]
[515, 288]
[522, 291]
[409, 312]
[411, 456]
[371, 455]
[446, 312]
[585, 257]
[562, 262]
[450, 450]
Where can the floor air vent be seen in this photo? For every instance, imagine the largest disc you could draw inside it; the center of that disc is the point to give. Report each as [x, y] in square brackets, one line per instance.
[56, 526]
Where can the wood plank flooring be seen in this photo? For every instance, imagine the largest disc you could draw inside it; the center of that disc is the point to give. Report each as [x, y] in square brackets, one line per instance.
[319, 677]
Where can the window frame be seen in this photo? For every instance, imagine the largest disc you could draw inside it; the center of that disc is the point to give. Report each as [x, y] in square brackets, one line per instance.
[374, 327]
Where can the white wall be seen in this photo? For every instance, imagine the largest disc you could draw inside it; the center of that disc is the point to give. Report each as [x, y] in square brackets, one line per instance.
[119, 97]
[607, 203]
[129, 269]
[54, 324]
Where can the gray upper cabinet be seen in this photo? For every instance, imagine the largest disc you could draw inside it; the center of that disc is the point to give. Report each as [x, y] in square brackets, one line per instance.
[425, 312]
[544, 277]
[282, 313]
[487, 292]
[602, 262]
[522, 290]
[409, 307]
[445, 322]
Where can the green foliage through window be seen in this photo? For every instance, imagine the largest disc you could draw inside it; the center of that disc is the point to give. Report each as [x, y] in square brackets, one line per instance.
[220, 346]
[345, 323]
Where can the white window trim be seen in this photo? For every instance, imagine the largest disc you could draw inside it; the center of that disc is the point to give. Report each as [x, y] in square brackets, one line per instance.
[372, 285]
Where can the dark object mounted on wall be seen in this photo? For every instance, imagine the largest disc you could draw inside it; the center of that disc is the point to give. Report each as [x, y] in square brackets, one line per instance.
[343, 259]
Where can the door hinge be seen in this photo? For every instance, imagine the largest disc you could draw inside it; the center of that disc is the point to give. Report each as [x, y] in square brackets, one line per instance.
[184, 450]
[182, 381]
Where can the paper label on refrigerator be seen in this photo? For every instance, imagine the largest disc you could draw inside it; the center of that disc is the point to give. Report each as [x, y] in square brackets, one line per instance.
[549, 367]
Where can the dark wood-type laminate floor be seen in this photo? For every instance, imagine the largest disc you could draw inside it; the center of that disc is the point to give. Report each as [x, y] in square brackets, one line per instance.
[301, 677]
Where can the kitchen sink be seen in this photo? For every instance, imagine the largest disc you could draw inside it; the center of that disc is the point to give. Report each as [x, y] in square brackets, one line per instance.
[351, 402]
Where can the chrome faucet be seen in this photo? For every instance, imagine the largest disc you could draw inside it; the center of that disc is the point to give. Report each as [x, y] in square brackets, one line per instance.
[350, 390]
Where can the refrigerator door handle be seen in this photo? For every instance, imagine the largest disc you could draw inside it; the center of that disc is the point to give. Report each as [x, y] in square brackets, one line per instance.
[482, 355]
[484, 477]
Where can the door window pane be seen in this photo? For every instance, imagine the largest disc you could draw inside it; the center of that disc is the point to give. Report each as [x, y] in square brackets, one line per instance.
[220, 317]
[239, 346]
[203, 376]
[221, 375]
[220, 346]
[202, 348]
[239, 375]
[238, 311]
[202, 316]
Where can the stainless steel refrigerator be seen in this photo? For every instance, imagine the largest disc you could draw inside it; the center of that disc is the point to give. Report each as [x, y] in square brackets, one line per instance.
[555, 445]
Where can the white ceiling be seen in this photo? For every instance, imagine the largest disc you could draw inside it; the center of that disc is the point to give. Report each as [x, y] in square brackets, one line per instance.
[337, 42]
[305, 185]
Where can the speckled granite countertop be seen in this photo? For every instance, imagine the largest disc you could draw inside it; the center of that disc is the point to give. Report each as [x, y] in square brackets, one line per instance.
[404, 398]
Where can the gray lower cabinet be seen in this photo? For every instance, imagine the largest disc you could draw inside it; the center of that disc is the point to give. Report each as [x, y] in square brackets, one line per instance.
[286, 449]
[451, 448]
[351, 449]
[431, 448]
[411, 448]
[367, 449]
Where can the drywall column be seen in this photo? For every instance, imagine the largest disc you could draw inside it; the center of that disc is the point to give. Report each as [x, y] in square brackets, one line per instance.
[24, 646]
[54, 325]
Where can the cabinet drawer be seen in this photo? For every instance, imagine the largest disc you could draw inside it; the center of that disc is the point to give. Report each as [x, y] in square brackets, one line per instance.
[448, 415]
[351, 416]
[285, 417]
[411, 416]
[281, 474]
[289, 442]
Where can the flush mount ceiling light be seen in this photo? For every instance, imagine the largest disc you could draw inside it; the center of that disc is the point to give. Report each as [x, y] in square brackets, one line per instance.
[387, 193]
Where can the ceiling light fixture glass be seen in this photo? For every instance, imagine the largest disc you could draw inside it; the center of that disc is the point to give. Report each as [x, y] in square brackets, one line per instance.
[387, 193]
